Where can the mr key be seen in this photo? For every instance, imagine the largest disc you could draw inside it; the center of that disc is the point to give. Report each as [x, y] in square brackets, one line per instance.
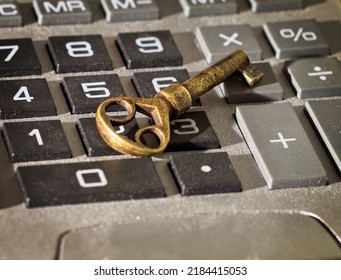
[168, 103]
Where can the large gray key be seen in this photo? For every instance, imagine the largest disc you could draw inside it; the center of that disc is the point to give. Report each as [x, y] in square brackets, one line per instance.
[280, 146]
[326, 116]
[230, 236]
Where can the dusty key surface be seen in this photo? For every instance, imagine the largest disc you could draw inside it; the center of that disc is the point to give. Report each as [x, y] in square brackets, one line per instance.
[237, 236]
[280, 146]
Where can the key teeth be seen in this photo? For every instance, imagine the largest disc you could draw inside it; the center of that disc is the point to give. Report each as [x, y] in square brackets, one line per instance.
[251, 75]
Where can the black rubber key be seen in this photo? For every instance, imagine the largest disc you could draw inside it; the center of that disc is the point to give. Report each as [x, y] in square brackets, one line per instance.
[204, 173]
[192, 131]
[18, 58]
[25, 98]
[79, 53]
[10, 15]
[149, 49]
[90, 182]
[147, 84]
[32, 141]
[93, 142]
[85, 93]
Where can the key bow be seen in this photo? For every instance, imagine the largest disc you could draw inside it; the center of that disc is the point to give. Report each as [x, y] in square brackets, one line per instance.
[155, 108]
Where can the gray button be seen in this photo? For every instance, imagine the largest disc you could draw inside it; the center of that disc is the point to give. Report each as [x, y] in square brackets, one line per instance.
[275, 5]
[194, 8]
[268, 89]
[326, 116]
[217, 41]
[292, 39]
[280, 146]
[55, 12]
[10, 15]
[118, 10]
[315, 77]
[229, 236]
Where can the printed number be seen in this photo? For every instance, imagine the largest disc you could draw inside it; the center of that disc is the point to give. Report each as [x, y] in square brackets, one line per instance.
[188, 126]
[149, 44]
[101, 182]
[23, 94]
[79, 49]
[162, 82]
[120, 129]
[13, 48]
[95, 90]
[35, 132]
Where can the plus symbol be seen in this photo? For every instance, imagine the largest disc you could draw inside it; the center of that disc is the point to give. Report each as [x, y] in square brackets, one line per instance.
[283, 140]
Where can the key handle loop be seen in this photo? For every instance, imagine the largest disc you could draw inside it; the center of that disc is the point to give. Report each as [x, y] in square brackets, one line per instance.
[155, 108]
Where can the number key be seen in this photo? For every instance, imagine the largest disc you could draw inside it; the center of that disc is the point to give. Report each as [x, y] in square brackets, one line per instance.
[192, 131]
[32, 141]
[25, 98]
[149, 49]
[79, 53]
[85, 93]
[18, 58]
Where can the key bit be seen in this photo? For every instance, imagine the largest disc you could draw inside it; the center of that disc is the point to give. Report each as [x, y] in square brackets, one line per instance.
[168, 103]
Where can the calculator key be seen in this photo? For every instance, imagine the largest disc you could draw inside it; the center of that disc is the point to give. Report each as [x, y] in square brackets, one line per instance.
[268, 89]
[258, 6]
[18, 58]
[326, 116]
[194, 8]
[147, 84]
[315, 77]
[10, 15]
[293, 39]
[280, 146]
[25, 98]
[149, 49]
[79, 53]
[98, 181]
[192, 131]
[57, 12]
[32, 141]
[216, 41]
[204, 173]
[117, 10]
[85, 93]
[92, 140]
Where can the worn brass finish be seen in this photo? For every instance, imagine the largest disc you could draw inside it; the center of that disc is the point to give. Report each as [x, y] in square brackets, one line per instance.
[168, 103]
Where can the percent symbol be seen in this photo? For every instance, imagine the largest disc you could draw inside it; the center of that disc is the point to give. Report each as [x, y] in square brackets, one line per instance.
[321, 74]
[289, 33]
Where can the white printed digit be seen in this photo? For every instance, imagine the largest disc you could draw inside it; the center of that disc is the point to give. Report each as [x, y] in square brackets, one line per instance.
[35, 132]
[188, 126]
[162, 82]
[149, 44]
[13, 48]
[102, 180]
[23, 95]
[95, 90]
[79, 49]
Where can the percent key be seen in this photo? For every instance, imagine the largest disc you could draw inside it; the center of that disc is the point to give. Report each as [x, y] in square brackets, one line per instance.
[293, 39]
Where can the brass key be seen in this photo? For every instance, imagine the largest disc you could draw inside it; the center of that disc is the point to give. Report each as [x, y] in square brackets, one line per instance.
[168, 103]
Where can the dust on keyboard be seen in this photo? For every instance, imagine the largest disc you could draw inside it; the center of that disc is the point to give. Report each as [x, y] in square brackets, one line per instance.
[60, 59]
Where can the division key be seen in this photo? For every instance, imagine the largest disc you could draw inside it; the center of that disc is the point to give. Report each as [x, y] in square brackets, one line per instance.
[280, 146]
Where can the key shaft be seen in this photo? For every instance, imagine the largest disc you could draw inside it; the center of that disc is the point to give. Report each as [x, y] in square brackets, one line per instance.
[181, 96]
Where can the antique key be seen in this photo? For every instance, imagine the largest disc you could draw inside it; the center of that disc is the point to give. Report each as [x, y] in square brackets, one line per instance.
[168, 103]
